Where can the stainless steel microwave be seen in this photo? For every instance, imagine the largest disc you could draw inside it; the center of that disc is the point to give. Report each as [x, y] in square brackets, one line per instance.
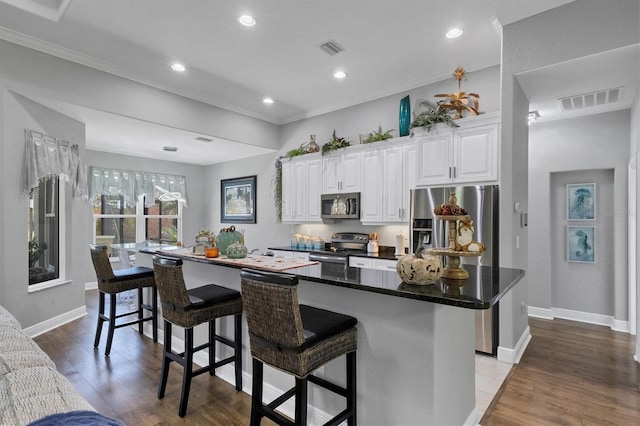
[340, 206]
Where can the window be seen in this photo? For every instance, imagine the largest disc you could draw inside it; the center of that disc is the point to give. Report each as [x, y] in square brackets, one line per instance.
[116, 222]
[45, 245]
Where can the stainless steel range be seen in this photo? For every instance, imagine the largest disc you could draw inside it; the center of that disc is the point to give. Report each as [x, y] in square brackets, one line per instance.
[335, 262]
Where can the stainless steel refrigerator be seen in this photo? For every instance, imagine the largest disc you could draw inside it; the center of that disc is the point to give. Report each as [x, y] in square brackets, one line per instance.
[481, 203]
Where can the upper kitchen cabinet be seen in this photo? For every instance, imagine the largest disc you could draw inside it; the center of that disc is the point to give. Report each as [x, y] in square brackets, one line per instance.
[301, 183]
[388, 174]
[341, 171]
[465, 154]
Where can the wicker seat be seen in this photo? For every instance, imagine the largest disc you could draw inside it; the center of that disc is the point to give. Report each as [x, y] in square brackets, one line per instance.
[114, 282]
[296, 339]
[188, 308]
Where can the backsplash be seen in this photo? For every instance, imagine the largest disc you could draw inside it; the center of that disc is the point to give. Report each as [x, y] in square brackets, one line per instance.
[386, 233]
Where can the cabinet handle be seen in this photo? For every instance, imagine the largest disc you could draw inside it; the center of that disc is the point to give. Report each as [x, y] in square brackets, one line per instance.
[399, 212]
[454, 172]
[450, 172]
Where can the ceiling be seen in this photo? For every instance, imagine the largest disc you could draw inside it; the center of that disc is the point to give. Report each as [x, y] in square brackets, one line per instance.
[389, 47]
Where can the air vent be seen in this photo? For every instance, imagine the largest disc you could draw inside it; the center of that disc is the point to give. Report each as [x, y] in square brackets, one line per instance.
[588, 100]
[331, 47]
[203, 139]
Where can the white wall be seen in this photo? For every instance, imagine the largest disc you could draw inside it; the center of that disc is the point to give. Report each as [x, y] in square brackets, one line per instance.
[593, 149]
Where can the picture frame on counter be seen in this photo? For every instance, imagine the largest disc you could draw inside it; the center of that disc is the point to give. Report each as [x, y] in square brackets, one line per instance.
[238, 200]
[581, 201]
[581, 244]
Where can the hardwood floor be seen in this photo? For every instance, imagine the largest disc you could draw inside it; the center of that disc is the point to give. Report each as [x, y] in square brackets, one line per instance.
[571, 373]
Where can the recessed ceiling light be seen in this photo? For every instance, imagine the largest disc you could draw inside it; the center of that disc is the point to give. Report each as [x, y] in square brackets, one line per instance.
[454, 33]
[340, 74]
[170, 148]
[178, 67]
[267, 100]
[247, 21]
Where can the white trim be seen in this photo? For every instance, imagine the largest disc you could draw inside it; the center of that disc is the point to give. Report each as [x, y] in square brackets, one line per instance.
[584, 317]
[632, 242]
[512, 356]
[55, 322]
[91, 285]
[47, 284]
[474, 418]
[542, 313]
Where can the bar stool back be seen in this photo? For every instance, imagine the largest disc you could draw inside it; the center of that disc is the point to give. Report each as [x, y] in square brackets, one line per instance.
[114, 282]
[187, 308]
[296, 339]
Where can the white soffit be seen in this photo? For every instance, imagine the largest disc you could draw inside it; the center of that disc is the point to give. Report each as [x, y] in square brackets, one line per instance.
[48, 9]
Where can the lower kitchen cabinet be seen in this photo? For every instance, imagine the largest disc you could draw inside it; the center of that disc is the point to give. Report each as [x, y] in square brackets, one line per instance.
[372, 263]
[285, 254]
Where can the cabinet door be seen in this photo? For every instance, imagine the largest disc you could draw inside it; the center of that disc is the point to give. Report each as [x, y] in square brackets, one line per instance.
[435, 153]
[371, 195]
[392, 184]
[299, 196]
[331, 165]
[384, 264]
[350, 172]
[287, 191]
[359, 262]
[313, 188]
[409, 183]
[301, 255]
[476, 154]
[283, 254]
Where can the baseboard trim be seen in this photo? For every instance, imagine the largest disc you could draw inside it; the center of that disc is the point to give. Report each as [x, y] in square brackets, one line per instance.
[91, 286]
[584, 317]
[512, 356]
[474, 418]
[55, 322]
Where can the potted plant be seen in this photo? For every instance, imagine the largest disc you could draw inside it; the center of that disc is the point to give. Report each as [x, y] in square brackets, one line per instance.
[335, 143]
[432, 115]
[378, 135]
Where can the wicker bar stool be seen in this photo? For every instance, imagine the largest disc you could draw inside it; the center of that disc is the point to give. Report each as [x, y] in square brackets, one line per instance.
[296, 339]
[188, 308]
[114, 282]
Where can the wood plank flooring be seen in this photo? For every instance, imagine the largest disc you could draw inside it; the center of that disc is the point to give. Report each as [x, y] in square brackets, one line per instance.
[571, 373]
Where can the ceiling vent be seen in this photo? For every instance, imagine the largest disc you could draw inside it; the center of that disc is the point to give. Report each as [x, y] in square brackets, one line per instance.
[203, 139]
[589, 100]
[331, 47]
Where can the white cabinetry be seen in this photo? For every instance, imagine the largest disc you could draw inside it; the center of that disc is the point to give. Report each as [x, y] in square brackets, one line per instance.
[301, 183]
[372, 263]
[388, 173]
[466, 154]
[341, 172]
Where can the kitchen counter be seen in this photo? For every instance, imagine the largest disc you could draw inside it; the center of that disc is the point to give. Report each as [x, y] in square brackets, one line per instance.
[482, 290]
[416, 350]
[382, 254]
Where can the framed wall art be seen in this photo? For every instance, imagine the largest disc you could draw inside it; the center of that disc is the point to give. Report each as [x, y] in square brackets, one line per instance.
[238, 200]
[581, 201]
[581, 244]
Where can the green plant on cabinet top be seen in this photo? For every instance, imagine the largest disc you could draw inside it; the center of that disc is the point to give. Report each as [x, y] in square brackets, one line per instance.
[335, 143]
[378, 135]
[431, 116]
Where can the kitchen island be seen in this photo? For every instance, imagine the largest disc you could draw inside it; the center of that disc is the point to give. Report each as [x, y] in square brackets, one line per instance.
[416, 358]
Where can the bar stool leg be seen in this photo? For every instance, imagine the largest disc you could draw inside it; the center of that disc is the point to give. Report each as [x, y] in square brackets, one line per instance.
[166, 361]
[154, 312]
[101, 298]
[351, 388]
[140, 311]
[238, 350]
[212, 347]
[301, 401]
[112, 323]
[256, 393]
[188, 371]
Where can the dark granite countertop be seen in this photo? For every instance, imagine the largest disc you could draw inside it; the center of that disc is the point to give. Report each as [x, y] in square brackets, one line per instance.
[484, 288]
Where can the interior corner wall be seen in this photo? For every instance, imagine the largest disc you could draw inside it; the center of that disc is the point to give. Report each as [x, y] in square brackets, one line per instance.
[588, 144]
[35, 307]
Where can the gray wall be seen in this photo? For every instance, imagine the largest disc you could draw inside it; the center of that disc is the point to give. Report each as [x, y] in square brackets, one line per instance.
[577, 29]
[592, 149]
[27, 74]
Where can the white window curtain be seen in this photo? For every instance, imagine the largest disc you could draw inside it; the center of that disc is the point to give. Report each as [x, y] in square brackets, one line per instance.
[46, 157]
[132, 184]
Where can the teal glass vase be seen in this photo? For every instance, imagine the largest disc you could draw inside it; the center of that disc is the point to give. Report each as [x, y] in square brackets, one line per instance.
[405, 116]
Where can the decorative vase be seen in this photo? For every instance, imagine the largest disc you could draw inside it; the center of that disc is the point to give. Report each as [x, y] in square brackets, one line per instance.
[226, 237]
[312, 146]
[405, 116]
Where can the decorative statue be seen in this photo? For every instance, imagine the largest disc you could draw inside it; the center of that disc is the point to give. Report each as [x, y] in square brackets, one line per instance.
[465, 238]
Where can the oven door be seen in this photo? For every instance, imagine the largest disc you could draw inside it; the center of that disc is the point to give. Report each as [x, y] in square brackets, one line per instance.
[335, 266]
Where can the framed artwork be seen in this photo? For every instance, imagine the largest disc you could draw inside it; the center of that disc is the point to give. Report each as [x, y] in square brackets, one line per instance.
[581, 244]
[581, 201]
[238, 200]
